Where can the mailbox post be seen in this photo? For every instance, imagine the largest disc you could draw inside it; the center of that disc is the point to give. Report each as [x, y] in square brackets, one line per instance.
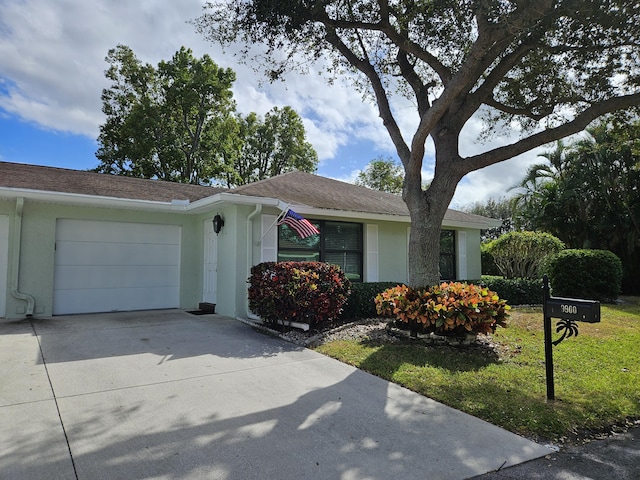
[569, 311]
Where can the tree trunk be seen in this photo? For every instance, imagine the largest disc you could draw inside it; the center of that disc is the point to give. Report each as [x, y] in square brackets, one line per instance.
[427, 210]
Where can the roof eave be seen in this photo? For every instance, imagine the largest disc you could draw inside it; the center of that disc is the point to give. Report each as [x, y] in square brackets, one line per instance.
[205, 204]
[93, 200]
[491, 223]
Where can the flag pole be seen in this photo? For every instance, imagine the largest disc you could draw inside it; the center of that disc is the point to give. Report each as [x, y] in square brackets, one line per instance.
[278, 218]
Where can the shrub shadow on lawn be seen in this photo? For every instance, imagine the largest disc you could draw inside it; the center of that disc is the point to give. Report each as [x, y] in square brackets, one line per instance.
[416, 352]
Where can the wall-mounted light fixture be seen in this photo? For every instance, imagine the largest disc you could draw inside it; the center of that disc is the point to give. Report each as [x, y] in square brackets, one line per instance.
[218, 223]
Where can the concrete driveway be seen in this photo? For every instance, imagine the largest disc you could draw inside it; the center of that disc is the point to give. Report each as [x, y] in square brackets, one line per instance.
[169, 395]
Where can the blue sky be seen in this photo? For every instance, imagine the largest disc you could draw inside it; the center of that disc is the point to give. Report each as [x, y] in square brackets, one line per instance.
[52, 75]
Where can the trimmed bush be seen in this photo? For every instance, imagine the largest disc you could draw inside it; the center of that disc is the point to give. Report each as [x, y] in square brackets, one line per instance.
[588, 274]
[305, 292]
[446, 309]
[523, 254]
[361, 302]
[516, 291]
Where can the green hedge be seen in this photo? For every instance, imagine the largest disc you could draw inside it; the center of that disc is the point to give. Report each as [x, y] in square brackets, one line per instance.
[589, 274]
[518, 291]
[360, 303]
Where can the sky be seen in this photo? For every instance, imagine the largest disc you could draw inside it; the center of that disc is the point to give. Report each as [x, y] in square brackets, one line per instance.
[52, 74]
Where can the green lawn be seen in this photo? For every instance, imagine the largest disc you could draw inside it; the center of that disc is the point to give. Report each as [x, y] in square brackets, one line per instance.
[597, 373]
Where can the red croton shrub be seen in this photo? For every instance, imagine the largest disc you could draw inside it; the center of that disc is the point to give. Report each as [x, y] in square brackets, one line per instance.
[447, 309]
[306, 292]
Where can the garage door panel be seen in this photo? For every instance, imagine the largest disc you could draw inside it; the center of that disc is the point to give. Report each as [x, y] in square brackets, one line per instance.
[102, 300]
[78, 277]
[79, 253]
[95, 231]
[108, 266]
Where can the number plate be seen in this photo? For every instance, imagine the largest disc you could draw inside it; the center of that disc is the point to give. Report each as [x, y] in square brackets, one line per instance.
[572, 309]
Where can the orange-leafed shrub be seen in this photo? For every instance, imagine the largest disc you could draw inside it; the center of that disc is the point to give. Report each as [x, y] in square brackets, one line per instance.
[448, 309]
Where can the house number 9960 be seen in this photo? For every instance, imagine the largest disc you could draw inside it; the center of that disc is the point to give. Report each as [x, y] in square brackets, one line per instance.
[569, 308]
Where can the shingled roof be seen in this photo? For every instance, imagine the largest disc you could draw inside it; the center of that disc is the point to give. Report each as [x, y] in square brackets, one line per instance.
[300, 188]
[62, 180]
[297, 188]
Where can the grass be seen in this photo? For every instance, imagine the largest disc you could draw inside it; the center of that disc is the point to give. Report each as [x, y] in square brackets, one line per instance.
[597, 374]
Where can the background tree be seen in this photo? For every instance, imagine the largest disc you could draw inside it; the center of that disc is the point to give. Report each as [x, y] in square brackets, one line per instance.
[382, 174]
[173, 122]
[271, 146]
[502, 209]
[542, 205]
[588, 196]
[550, 67]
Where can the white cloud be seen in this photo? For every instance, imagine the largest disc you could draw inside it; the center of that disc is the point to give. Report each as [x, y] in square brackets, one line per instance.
[53, 66]
[52, 74]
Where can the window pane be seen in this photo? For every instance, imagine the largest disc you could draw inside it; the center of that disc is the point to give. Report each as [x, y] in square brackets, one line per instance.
[448, 255]
[288, 238]
[342, 236]
[447, 267]
[298, 256]
[447, 241]
[349, 262]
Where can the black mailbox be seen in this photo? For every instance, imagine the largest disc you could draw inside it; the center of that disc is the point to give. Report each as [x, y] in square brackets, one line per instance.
[569, 310]
[572, 309]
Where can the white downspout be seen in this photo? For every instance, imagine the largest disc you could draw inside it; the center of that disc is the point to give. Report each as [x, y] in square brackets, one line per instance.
[15, 264]
[257, 211]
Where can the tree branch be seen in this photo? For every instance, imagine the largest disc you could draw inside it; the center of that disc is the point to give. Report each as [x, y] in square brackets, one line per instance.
[525, 112]
[420, 90]
[384, 107]
[402, 41]
[576, 125]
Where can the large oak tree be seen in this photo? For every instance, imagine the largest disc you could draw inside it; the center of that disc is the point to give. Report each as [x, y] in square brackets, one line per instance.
[550, 67]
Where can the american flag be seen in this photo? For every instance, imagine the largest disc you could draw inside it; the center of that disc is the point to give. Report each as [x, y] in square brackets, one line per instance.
[301, 225]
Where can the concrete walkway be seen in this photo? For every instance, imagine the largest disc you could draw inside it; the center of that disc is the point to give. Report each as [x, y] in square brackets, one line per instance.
[169, 395]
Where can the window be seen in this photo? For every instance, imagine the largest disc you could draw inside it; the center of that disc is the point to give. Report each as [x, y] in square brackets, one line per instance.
[448, 255]
[339, 243]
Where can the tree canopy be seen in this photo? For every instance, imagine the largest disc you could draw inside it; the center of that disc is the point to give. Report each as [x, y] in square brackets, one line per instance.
[384, 175]
[165, 122]
[501, 209]
[177, 122]
[271, 146]
[546, 69]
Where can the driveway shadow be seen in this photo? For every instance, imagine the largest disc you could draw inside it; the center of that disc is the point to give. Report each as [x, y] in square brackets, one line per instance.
[238, 405]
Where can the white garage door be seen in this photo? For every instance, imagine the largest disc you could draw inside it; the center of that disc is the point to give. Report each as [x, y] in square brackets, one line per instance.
[4, 260]
[109, 266]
